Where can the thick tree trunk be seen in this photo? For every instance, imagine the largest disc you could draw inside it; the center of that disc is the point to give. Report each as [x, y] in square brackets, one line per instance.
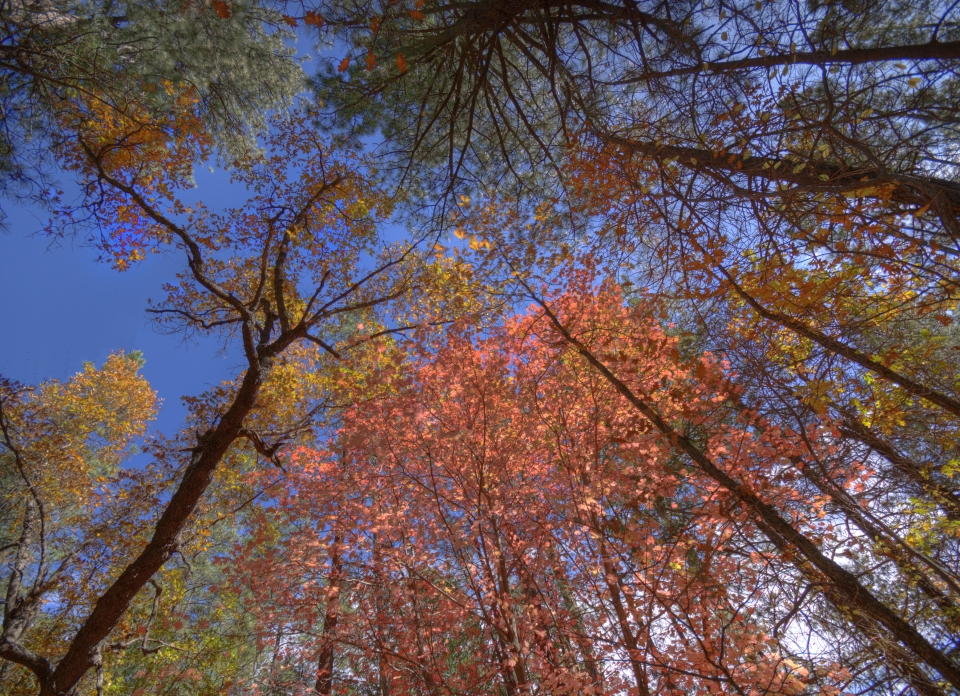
[211, 448]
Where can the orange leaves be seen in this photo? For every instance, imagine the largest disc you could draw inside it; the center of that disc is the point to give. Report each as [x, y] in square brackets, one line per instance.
[344, 65]
[493, 479]
[222, 9]
[133, 148]
[401, 63]
[313, 19]
[371, 61]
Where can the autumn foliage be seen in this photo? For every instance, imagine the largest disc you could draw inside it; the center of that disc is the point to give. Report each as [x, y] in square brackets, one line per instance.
[620, 360]
[494, 516]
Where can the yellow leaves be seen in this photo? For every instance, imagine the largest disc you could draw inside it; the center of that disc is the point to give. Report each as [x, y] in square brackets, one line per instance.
[148, 152]
[815, 394]
[448, 289]
[476, 243]
[359, 209]
[103, 408]
[544, 211]
[72, 434]
[951, 468]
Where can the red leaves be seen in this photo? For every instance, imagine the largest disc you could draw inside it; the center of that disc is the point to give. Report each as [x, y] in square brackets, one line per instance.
[222, 9]
[493, 486]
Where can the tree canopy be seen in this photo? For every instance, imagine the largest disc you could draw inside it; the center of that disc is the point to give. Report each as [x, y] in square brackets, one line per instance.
[587, 348]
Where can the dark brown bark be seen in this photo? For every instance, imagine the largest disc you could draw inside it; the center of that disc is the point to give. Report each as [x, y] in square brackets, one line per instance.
[932, 50]
[629, 639]
[846, 591]
[545, 17]
[261, 345]
[211, 448]
[21, 606]
[22, 599]
[907, 559]
[510, 624]
[582, 641]
[380, 618]
[948, 499]
[908, 384]
[331, 618]
[897, 657]
[907, 189]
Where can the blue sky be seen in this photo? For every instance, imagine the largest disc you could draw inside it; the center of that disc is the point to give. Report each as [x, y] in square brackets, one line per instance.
[62, 307]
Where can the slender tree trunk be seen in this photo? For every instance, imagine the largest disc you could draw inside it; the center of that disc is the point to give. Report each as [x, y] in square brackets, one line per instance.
[904, 557]
[588, 657]
[948, 499]
[380, 618]
[612, 581]
[331, 617]
[510, 621]
[846, 591]
[908, 384]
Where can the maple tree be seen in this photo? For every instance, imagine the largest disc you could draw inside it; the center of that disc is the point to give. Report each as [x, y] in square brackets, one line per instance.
[764, 167]
[880, 511]
[498, 518]
[288, 274]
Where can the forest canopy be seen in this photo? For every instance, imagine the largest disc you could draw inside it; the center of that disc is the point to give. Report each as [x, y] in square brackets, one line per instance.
[600, 347]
